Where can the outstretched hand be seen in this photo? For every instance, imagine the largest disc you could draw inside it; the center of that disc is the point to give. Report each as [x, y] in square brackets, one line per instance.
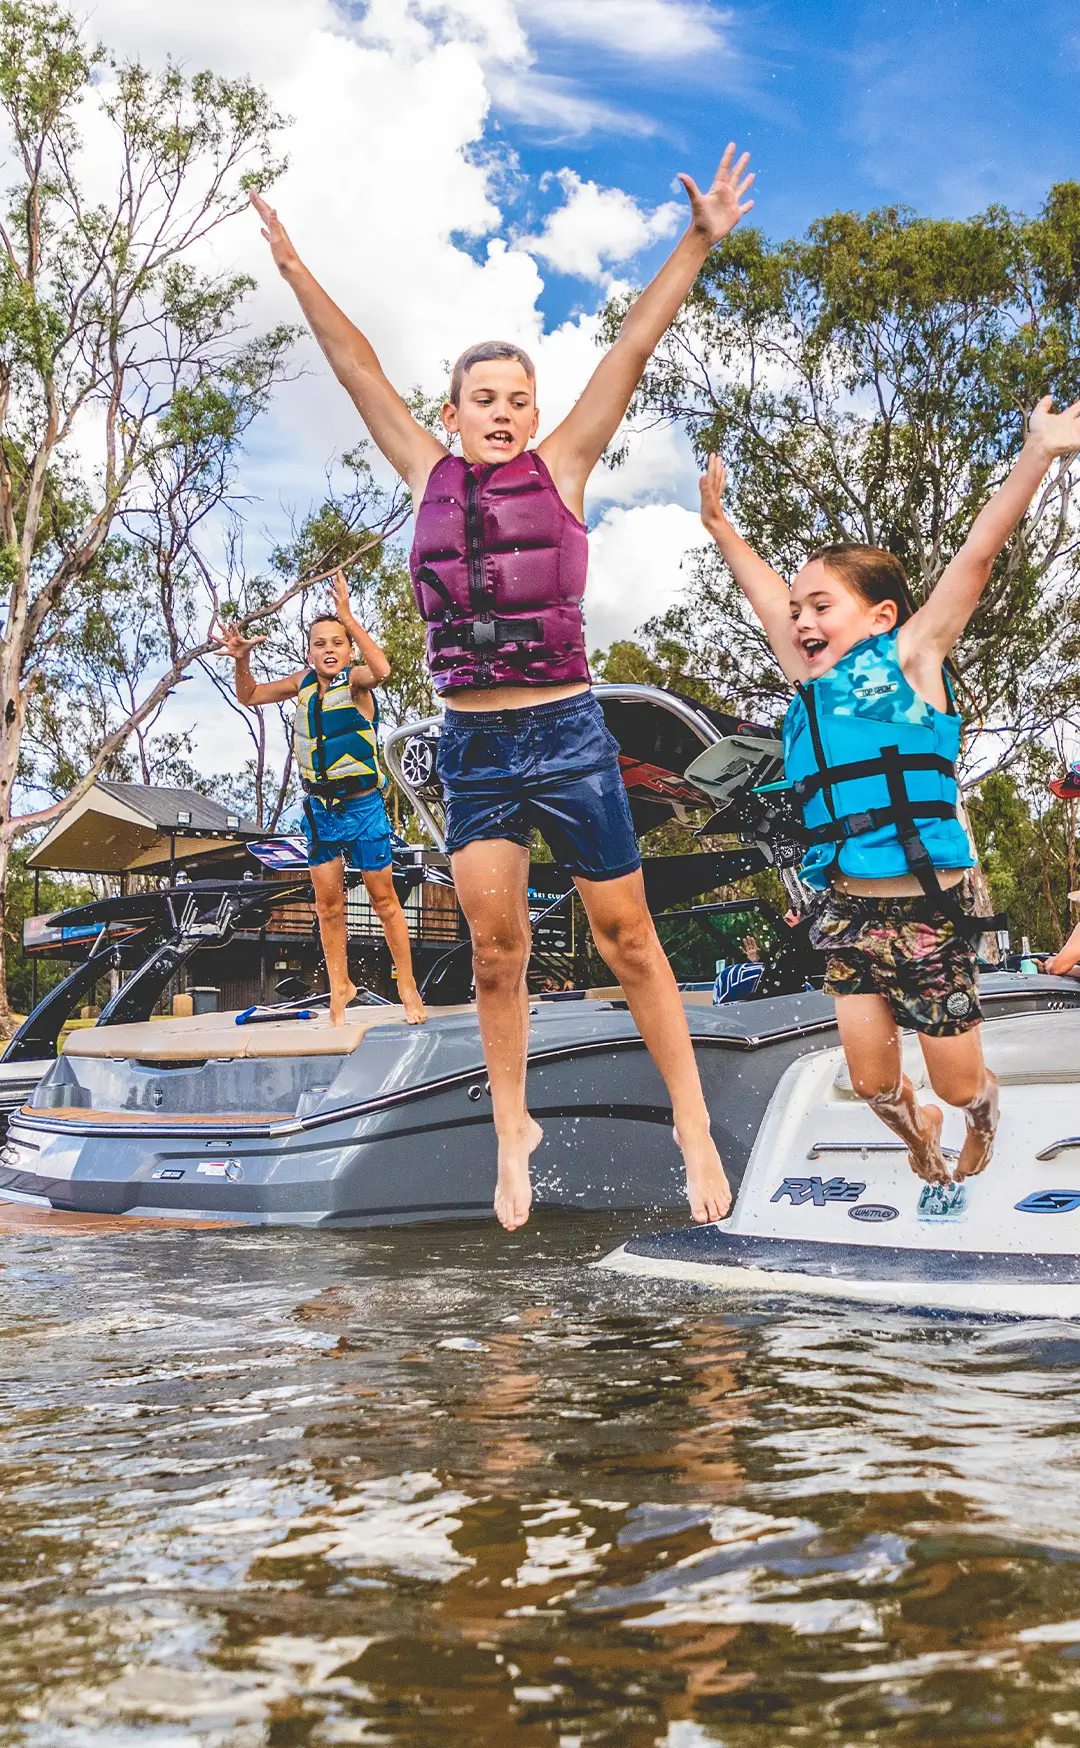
[1056, 433]
[285, 256]
[718, 211]
[232, 642]
[340, 586]
[712, 484]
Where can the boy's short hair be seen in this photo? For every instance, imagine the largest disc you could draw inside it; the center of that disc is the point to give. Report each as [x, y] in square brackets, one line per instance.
[484, 353]
[326, 619]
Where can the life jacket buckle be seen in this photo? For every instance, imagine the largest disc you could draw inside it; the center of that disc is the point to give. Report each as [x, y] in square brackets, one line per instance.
[484, 634]
[855, 824]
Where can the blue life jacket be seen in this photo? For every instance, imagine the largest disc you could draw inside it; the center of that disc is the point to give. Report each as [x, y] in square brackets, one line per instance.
[874, 767]
[336, 745]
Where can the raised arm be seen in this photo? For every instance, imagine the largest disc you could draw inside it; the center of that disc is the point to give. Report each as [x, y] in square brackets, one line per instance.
[373, 667]
[1066, 957]
[574, 447]
[930, 633]
[766, 592]
[409, 449]
[249, 690]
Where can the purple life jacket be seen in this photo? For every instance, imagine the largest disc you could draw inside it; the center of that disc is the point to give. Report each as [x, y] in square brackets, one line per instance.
[498, 570]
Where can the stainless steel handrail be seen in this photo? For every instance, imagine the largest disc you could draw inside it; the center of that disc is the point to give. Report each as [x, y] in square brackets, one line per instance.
[1057, 1147]
[820, 1147]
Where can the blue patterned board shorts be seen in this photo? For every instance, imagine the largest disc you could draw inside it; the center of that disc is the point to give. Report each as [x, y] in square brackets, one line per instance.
[356, 828]
[552, 767]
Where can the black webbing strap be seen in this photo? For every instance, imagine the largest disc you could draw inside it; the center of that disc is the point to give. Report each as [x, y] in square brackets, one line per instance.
[806, 787]
[489, 634]
[902, 815]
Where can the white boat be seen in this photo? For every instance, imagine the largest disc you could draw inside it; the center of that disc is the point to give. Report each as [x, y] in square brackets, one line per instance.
[829, 1205]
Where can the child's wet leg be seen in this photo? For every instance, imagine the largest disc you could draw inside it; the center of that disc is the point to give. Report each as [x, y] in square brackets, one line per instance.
[959, 1075]
[328, 879]
[871, 1043]
[387, 907]
[626, 937]
[491, 877]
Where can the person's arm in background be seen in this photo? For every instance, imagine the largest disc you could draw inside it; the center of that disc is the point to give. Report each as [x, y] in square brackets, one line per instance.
[250, 691]
[1065, 957]
[374, 667]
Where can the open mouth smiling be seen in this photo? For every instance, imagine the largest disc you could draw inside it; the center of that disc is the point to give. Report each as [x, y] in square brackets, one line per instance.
[812, 647]
[501, 439]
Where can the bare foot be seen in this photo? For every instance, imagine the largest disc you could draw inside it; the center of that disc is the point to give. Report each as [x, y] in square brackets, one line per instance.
[513, 1191]
[982, 1121]
[926, 1158]
[339, 1001]
[707, 1188]
[415, 1011]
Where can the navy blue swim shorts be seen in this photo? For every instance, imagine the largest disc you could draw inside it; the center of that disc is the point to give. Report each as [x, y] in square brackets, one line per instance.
[553, 767]
[356, 828]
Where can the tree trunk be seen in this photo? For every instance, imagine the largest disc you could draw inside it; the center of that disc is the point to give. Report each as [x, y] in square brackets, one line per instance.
[6, 1023]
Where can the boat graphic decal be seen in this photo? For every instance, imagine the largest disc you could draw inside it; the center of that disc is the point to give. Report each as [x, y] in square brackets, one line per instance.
[801, 1190]
[942, 1201]
[1050, 1202]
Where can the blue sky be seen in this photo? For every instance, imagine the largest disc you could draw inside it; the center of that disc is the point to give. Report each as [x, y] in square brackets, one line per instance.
[466, 169]
[944, 107]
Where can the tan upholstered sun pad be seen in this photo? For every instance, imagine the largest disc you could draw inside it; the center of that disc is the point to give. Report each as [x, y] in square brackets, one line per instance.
[204, 1037]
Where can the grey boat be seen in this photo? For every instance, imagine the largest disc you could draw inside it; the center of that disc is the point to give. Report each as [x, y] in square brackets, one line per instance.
[273, 1117]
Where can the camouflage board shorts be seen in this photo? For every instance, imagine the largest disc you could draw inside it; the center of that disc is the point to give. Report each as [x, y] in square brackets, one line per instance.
[904, 950]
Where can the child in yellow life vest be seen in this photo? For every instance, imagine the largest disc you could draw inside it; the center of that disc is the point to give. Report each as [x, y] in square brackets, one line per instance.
[335, 740]
[870, 746]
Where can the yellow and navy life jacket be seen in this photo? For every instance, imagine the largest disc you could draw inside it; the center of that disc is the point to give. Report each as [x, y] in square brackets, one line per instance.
[336, 745]
[874, 767]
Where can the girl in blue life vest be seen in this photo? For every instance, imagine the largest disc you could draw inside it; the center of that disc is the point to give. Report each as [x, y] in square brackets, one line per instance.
[335, 742]
[870, 744]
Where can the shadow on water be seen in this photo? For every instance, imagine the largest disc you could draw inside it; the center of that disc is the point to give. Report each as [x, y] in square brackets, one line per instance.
[445, 1487]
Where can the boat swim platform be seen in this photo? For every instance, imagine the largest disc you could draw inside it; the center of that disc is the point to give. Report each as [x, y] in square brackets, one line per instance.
[217, 1037]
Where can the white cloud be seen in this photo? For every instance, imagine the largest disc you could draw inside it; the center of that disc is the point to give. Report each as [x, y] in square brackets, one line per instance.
[668, 29]
[597, 226]
[384, 175]
[635, 567]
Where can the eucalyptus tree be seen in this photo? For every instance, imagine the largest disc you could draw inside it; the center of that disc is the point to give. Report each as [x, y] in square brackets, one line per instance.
[869, 382]
[127, 377]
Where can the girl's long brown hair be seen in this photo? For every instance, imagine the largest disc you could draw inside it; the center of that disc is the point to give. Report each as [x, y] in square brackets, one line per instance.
[877, 576]
[871, 572]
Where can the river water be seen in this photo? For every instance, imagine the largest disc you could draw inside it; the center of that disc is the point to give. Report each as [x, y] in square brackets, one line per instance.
[446, 1487]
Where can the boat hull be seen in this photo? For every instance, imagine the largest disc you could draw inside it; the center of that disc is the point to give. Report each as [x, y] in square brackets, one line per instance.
[398, 1129]
[829, 1205]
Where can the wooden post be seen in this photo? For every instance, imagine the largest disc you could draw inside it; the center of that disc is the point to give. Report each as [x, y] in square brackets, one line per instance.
[33, 967]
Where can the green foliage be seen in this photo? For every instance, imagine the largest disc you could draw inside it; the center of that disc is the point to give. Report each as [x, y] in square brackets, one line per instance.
[1027, 846]
[866, 382]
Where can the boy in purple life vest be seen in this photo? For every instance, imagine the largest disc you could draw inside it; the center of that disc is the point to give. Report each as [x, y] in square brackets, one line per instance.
[498, 568]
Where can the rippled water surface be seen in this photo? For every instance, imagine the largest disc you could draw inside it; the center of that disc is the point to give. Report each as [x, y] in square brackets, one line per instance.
[442, 1487]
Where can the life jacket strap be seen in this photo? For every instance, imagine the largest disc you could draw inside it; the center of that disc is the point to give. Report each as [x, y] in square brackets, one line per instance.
[855, 825]
[806, 787]
[339, 788]
[488, 633]
[904, 813]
